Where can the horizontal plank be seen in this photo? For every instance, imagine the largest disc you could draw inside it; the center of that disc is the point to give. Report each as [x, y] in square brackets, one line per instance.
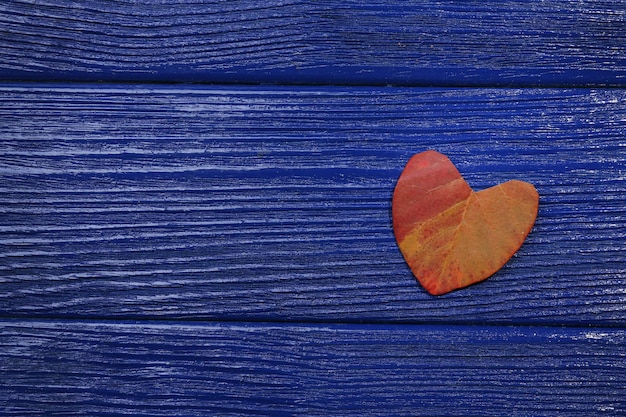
[274, 203]
[433, 42]
[73, 368]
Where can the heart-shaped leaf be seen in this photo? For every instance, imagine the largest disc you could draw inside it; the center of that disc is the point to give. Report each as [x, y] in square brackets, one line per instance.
[451, 236]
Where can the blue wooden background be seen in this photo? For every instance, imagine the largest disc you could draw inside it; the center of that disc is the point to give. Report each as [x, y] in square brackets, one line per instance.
[195, 207]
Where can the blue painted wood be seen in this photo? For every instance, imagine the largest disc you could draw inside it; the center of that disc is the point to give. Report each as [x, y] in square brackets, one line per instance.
[433, 42]
[235, 203]
[152, 369]
[272, 204]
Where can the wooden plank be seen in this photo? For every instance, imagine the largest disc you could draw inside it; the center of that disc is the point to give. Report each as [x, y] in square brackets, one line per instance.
[274, 203]
[380, 42]
[73, 368]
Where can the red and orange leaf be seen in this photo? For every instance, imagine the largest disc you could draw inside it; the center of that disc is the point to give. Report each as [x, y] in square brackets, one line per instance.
[451, 236]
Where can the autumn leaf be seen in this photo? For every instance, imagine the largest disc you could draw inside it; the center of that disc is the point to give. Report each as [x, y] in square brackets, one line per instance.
[451, 236]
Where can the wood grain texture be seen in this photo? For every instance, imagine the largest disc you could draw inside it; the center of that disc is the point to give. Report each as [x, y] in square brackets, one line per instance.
[73, 368]
[275, 203]
[323, 42]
